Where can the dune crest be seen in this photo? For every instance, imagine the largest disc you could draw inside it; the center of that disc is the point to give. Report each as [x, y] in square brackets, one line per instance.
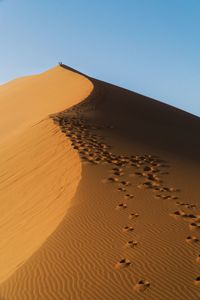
[30, 99]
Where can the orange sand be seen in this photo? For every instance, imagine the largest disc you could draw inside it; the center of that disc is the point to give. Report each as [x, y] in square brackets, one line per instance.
[39, 170]
[120, 238]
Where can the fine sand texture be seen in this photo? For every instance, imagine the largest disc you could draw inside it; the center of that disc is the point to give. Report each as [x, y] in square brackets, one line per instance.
[39, 171]
[99, 193]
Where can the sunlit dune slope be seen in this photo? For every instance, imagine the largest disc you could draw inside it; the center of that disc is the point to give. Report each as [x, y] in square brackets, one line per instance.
[39, 171]
[27, 100]
[39, 175]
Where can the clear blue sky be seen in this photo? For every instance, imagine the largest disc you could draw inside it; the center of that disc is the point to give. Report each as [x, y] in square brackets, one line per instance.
[149, 46]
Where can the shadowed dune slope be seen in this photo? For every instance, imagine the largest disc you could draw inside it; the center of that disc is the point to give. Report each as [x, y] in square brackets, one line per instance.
[146, 121]
[125, 235]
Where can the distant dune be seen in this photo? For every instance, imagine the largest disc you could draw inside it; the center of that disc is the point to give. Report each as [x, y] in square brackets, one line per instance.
[99, 193]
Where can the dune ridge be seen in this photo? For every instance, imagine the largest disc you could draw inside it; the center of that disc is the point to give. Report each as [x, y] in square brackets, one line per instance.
[30, 99]
[136, 170]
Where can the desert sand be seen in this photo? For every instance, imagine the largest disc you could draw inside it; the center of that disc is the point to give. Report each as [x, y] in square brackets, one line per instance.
[99, 192]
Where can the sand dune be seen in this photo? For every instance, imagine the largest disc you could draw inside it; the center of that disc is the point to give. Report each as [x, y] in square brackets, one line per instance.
[129, 232]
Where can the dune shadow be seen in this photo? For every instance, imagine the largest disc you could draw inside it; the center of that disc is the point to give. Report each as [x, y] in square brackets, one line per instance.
[143, 119]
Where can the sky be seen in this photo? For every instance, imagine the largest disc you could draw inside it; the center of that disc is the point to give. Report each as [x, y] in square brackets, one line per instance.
[148, 46]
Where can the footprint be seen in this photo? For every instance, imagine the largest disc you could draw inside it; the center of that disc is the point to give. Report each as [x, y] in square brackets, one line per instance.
[147, 168]
[140, 186]
[178, 203]
[197, 280]
[138, 173]
[190, 205]
[152, 177]
[121, 206]
[158, 189]
[191, 239]
[123, 263]
[117, 169]
[133, 216]
[187, 205]
[191, 217]
[174, 197]
[126, 183]
[158, 196]
[141, 285]
[113, 161]
[131, 244]
[113, 179]
[127, 229]
[121, 189]
[194, 226]
[173, 189]
[128, 196]
[178, 213]
[116, 173]
[166, 196]
[148, 184]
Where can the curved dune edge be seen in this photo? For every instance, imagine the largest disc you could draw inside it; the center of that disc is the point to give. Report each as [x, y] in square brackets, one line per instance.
[39, 179]
[39, 170]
